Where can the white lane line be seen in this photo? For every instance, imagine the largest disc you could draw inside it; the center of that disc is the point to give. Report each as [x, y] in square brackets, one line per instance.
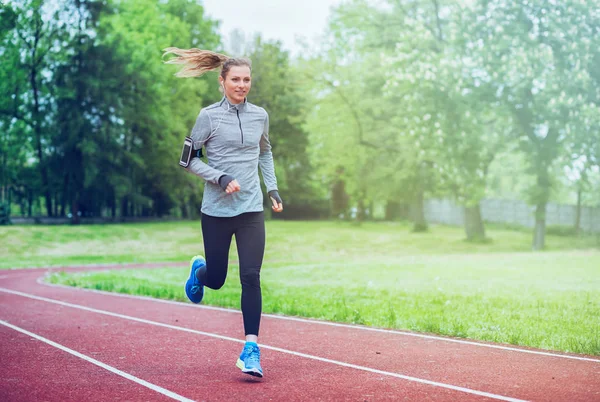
[128, 376]
[306, 356]
[331, 324]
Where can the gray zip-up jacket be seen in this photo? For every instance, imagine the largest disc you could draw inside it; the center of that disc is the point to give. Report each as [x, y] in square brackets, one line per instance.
[236, 139]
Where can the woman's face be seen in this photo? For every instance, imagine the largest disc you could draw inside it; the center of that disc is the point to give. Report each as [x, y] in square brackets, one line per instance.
[237, 84]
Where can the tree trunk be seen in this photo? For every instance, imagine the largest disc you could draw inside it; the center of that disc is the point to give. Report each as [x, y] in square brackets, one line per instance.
[396, 211]
[539, 233]
[339, 199]
[77, 184]
[391, 210]
[124, 207]
[185, 210]
[419, 222]
[30, 203]
[4, 181]
[578, 212]
[56, 203]
[38, 135]
[43, 172]
[544, 186]
[113, 205]
[9, 203]
[75, 211]
[474, 224]
[65, 195]
[361, 213]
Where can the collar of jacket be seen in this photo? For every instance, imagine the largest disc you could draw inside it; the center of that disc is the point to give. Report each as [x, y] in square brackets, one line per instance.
[225, 104]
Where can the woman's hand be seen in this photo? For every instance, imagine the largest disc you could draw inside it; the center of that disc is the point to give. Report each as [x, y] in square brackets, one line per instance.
[232, 187]
[229, 184]
[276, 200]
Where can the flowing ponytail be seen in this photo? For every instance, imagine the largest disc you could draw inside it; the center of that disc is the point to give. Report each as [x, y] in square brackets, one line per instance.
[197, 62]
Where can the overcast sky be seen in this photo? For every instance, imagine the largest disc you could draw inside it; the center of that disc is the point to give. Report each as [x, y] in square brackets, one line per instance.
[274, 19]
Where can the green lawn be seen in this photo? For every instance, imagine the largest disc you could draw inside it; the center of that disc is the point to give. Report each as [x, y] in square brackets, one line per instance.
[376, 274]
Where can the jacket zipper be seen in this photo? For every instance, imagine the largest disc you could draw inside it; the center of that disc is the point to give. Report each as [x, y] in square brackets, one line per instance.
[241, 131]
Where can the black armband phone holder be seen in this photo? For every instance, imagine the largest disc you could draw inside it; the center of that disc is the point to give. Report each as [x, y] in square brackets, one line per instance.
[188, 152]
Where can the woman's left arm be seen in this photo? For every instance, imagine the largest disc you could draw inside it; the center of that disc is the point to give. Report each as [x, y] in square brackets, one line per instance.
[267, 167]
[265, 159]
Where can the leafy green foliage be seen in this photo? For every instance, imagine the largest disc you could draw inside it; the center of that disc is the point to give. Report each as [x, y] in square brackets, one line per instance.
[428, 93]
[539, 57]
[104, 118]
[402, 101]
[275, 88]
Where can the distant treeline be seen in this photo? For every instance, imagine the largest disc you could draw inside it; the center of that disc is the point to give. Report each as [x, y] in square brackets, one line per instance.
[92, 121]
[400, 102]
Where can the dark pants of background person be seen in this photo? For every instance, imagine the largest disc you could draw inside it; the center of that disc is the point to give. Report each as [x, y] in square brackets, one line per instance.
[249, 231]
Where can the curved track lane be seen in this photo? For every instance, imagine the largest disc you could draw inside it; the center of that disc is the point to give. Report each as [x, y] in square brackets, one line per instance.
[59, 343]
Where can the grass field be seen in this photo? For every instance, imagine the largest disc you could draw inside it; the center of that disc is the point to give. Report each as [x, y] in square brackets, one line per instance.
[375, 274]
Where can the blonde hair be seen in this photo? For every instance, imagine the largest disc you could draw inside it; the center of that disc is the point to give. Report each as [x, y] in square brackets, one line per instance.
[197, 62]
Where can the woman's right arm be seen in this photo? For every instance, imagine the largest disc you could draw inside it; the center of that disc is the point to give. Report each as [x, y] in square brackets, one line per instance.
[200, 135]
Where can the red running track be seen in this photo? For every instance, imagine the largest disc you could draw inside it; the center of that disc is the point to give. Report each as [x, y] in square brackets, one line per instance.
[67, 344]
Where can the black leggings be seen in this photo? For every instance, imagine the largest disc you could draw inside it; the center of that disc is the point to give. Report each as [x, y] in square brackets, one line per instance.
[249, 231]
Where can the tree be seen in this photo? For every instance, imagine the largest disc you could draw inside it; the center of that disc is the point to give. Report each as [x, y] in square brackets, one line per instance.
[339, 147]
[537, 56]
[153, 110]
[12, 149]
[103, 116]
[275, 87]
[29, 40]
[413, 85]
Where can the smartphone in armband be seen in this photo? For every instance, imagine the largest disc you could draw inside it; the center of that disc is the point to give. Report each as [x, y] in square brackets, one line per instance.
[186, 152]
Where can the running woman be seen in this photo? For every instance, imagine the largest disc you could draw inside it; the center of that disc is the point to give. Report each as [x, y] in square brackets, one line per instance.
[235, 134]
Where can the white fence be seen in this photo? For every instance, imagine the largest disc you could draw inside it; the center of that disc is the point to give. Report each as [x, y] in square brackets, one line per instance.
[513, 212]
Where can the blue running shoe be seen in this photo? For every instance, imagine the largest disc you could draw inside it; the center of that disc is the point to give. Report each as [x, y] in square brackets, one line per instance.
[194, 289]
[249, 361]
